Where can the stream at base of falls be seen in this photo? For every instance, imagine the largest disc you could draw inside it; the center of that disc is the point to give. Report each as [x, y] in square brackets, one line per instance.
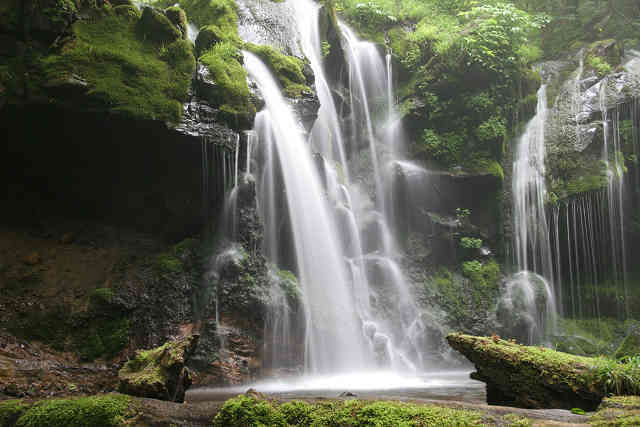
[442, 385]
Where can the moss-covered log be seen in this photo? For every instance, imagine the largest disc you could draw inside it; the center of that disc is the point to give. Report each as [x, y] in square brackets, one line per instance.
[536, 377]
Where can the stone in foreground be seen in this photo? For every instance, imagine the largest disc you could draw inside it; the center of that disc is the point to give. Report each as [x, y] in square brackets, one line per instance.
[159, 373]
[530, 377]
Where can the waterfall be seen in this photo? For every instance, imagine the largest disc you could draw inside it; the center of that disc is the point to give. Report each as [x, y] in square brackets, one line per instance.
[614, 165]
[532, 245]
[358, 310]
[333, 341]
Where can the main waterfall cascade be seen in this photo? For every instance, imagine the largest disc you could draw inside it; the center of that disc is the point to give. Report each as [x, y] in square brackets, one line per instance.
[335, 206]
[318, 201]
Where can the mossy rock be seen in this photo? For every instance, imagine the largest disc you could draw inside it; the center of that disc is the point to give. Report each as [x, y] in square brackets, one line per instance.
[178, 18]
[114, 68]
[159, 373]
[224, 84]
[11, 411]
[97, 411]
[536, 377]
[249, 410]
[222, 13]
[157, 27]
[287, 69]
[127, 11]
[630, 346]
[207, 37]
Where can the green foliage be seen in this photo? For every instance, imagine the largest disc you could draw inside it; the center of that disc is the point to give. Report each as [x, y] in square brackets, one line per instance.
[248, 411]
[498, 31]
[618, 378]
[10, 411]
[483, 274]
[126, 74]
[470, 243]
[287, 69]
[463, 214]
[168, 263]
[326, 48]
[446, 149]
[95, 411]
[492, 129]
[599, 65]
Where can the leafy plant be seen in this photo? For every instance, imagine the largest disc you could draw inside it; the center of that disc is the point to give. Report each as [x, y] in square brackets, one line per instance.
[470, 243]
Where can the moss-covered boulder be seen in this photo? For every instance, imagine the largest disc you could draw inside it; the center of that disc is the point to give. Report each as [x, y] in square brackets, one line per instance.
[159, 373]
[536, 377]
[128, 11]
[108, 410]
[287, 69]
[630, 346]
[178, 18]
[207, 37]
[156, 27]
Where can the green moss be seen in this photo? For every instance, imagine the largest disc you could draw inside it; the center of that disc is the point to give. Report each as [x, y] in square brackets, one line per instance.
[95, 411]
[125, 74]
[10, 411]
[178, 18]
[516, 367]
[168, 263]
[207, 37]
[482, 274]
[244, 410]
[127, 11]
[603, 56]
[287, 69]
[222, 13]
[156, 27]
[231, 92]
[151, 372]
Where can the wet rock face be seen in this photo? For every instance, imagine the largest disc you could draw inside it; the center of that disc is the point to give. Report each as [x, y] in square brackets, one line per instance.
[270, 23]
[583, 88]
[159, 373]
